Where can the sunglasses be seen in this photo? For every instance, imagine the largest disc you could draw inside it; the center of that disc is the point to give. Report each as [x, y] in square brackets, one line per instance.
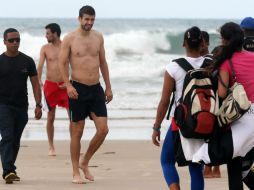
[11, 40]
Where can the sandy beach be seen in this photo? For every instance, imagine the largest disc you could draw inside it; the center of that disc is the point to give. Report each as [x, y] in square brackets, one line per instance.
[125, 165]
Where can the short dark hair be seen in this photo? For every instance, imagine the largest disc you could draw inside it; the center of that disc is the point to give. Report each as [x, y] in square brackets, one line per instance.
[54, 27]
[9, 30]
[248, 32]
[193, 37]
[205, 36]
[87, 9]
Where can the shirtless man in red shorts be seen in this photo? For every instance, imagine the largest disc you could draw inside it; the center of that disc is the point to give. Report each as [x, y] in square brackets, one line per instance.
[54, 89]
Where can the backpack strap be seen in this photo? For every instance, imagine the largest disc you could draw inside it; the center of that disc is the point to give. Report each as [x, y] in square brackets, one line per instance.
[172, 101]
[232, 70]
[184, 64]
[207, 61]
[233, 75]
[208, 56]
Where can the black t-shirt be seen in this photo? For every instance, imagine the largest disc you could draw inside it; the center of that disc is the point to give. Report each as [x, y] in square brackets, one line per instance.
[14, 72]
[249, 43]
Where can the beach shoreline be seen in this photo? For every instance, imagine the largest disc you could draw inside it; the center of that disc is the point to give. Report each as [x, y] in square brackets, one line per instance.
[124, 164]
[123, 125]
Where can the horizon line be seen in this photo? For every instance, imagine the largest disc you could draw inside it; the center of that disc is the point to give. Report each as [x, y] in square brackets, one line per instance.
[124, 18]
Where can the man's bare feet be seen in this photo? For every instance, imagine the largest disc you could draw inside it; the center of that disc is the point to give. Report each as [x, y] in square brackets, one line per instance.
[77, 180]
[52, 152]
[86, 172]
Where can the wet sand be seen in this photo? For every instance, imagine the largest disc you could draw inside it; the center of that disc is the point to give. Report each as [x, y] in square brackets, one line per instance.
[125, 165]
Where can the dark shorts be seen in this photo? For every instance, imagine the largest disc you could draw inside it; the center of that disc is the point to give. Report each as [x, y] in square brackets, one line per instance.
[90, 99]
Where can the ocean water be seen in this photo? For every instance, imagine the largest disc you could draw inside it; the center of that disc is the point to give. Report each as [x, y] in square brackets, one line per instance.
[137, 51]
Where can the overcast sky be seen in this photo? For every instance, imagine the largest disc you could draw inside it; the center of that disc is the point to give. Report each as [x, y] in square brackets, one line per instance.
[231, 9]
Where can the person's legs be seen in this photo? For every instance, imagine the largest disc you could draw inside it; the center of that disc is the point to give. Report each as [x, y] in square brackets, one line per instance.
[168, 162]
[7, 141]
[68, 113]
[50, 131]
[249, 180]
[76, 135]
[21, 118]
[95, 143]
[247, 172]
[216, 172]
[235, 174]
[208, 172]
[196, 174]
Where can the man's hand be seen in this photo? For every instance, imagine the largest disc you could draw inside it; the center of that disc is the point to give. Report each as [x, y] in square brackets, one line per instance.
[41, 83]
[108, 95]
[37, 112]
[72, 92]
[62, 86]
[156, 137]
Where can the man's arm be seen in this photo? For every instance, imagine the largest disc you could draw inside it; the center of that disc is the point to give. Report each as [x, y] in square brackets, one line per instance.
[105, 73]
[37, 96]
[41, 63]
[63, 60]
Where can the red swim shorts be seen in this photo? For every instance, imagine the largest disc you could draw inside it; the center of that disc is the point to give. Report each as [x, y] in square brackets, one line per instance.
[54, 95]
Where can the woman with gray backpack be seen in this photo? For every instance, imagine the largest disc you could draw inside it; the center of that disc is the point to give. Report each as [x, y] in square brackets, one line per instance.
[235, 145]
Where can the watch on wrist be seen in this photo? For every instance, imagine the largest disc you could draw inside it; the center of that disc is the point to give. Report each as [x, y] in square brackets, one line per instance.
[157, 128]
[39, 105]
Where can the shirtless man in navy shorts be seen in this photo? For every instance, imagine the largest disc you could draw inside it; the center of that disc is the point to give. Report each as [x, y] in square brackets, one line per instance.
[84, 48]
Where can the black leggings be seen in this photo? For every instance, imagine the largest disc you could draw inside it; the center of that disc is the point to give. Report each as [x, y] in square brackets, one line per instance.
[235, 180]
[235, 174]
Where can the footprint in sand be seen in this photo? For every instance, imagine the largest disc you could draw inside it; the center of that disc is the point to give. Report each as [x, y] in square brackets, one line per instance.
[93, 166]
[24, 146]
[109, 152]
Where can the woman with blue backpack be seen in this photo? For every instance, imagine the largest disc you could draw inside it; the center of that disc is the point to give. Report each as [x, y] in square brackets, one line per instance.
[173, 80]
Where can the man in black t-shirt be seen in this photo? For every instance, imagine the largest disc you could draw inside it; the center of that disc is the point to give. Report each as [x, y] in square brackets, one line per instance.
[15, 68]
[247, 24]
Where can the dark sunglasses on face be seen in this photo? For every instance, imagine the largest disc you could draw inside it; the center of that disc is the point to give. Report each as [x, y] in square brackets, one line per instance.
[11, 40]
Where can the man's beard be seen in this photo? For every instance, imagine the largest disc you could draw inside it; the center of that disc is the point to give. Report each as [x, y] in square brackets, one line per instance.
[50, 40]
[86, 27]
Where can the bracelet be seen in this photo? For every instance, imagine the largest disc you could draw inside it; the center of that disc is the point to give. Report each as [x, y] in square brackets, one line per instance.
[39, 105]
[158, 129]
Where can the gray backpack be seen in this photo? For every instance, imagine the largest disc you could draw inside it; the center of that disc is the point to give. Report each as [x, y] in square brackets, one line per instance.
[235, 104]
